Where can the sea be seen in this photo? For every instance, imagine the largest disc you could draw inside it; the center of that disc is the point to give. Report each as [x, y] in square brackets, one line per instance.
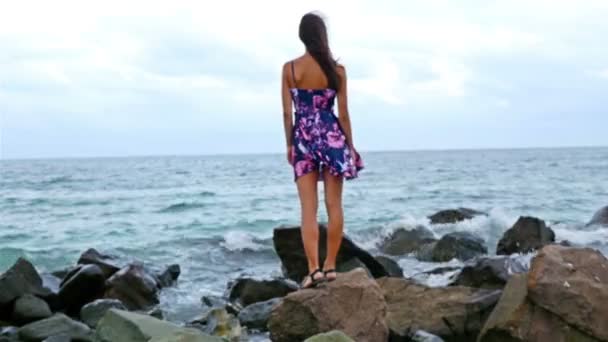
[214, 215]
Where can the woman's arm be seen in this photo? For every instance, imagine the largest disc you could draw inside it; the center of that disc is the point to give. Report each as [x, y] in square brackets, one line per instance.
[343, 115]
[287, 110]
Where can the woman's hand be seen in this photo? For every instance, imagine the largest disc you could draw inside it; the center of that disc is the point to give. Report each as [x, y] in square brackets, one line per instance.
[290, 154]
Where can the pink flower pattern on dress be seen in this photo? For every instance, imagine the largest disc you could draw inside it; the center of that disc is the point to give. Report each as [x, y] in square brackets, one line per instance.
[319, 141]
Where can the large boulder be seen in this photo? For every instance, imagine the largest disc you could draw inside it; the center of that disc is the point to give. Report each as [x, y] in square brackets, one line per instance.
[22, 278]
[453, 313]
[517, 319]
[123, 326]
[246, 291]
[82, 286]
[92, 313]
[289, 247]
[454, 215]
[29, 308]
[458, 245]
[332, 336]
[256, 316]
[527, 234]
[600, 218]
[405, 241]
[58, 324]
[490, 272]
[134, 287]
[572, 283]
[352, 304]
[108, 264]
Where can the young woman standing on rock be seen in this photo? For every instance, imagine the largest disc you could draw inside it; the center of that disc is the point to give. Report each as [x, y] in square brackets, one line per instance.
[319, 143]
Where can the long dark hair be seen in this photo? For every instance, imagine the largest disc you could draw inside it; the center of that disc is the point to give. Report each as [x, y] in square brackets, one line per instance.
[313, 33]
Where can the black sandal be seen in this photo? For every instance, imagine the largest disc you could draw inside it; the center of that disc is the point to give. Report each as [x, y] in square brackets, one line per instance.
[313, 282]
[330, 271]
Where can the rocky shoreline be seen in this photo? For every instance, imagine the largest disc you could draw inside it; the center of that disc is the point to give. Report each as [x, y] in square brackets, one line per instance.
[561, 295]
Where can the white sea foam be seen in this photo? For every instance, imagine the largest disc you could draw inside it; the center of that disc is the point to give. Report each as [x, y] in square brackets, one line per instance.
[238, 240]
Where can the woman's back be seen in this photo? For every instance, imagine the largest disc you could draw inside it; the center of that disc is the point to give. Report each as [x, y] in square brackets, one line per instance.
[307, 74]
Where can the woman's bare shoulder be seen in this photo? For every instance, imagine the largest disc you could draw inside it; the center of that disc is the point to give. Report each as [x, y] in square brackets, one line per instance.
[340, 69]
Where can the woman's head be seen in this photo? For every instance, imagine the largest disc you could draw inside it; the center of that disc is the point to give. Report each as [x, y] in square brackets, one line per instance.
[313, 33]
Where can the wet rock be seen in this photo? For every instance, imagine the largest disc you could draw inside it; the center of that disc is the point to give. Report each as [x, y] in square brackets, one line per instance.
[58, 324]
[246, 291]
[600, 218]
[108, 264]
[123, 326]
[391, 266]
[219, 302]
[353, 304]
[516, 318]
[490, 272]
[218, 322]
[9, 334]
[405, 241]
[156, 312]
[92, 313]
[332, 336]
[454, 215]
[134, 287]
[527, 234]
[256, 316]
[288, 245]
[22, 278]
[453, 313]
[458, 245]
[572, 283]
[425, 253]
[169, 276]
[58, 338]
[82, 286]
[29, 308]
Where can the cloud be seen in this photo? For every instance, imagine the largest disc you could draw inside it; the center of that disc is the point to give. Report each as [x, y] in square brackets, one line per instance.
[141, 66]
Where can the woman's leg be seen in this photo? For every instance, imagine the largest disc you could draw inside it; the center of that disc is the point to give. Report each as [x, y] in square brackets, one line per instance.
[333, 203]
[307, 189]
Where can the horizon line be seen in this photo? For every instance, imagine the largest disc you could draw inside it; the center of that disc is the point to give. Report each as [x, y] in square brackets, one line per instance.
[226, 154]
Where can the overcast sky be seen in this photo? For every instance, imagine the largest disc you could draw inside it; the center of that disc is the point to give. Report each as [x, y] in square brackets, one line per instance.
[114, 78]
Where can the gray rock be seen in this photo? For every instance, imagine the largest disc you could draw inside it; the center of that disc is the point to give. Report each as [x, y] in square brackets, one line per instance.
[22, 278]
[332, 336]
[84, 285]
[425, 253]
[29, 308]
[58, 338]
[391, 266]
[107, 263]
[490, 272]
[246, 291]
[219, 302]
[600, 218]
[255, 316]
[405, 241]
[123, 326]
[218, 322]
[92, 313]
[169, 276]
[58, 324]
[454, 215]
[134, 286]
[458, 245]
[527, 234]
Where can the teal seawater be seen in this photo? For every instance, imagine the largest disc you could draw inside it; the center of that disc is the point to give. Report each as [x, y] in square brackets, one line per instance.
[214, 215]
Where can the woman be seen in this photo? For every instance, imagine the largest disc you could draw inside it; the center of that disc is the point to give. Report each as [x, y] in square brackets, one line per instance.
[319, 144]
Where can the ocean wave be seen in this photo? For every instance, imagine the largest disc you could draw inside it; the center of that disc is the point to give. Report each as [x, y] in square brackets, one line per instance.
[207, 194]
[238, 240]
[180, 207]
[583, 236]
[490, 228]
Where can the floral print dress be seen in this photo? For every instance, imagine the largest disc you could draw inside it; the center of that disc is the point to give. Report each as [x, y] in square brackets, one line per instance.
[318, 140]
